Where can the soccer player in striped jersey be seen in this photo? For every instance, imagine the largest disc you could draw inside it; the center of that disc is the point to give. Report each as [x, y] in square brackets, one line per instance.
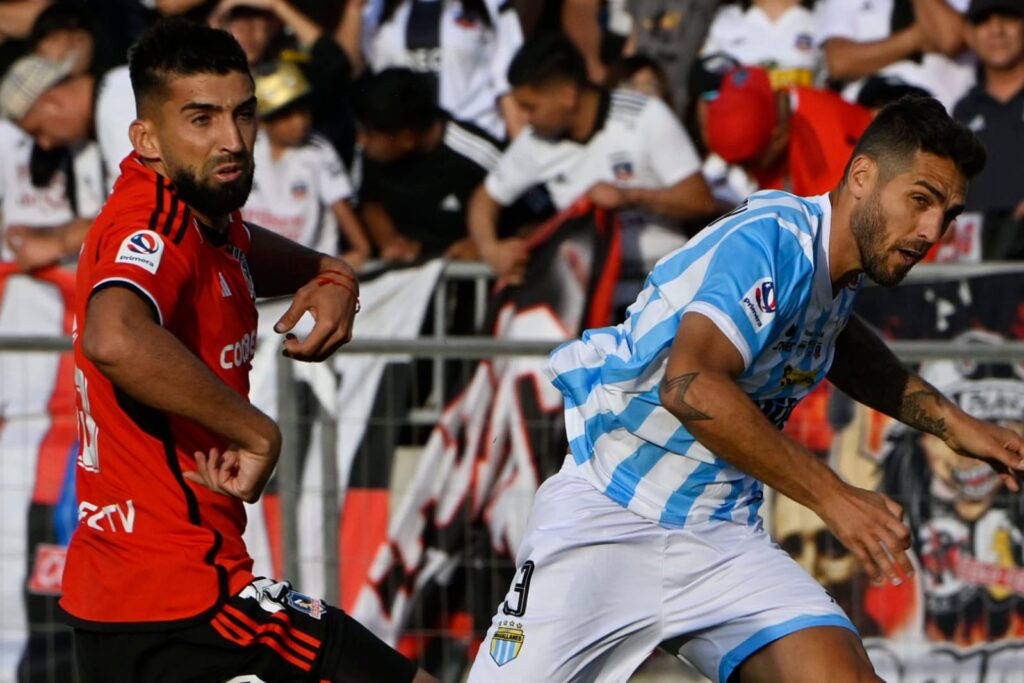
[650, 533]
[158, 584]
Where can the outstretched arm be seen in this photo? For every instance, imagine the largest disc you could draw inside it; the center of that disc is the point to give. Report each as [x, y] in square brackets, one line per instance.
[700, 389]
[867, 370]
[323, 285]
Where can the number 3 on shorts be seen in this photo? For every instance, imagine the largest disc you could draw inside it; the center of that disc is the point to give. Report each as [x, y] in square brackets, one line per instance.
[522, 588]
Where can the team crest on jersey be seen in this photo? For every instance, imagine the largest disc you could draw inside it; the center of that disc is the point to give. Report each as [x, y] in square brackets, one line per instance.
[622, 168]
[506, 642]
[305, 604]
[244, 263]
[299, 190]
[144, 249]
[759, 303]
[804, 42]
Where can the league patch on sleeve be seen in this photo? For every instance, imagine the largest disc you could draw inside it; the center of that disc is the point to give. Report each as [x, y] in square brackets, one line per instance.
[759, 303]
[143, 249]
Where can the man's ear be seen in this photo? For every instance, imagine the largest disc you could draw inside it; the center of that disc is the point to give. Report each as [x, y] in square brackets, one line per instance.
[142, 133]
[863, 176]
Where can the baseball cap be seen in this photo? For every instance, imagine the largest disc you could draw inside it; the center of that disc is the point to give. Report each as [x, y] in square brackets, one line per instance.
[979, 9]
[27, 80]
[278, 86]
[743, 115]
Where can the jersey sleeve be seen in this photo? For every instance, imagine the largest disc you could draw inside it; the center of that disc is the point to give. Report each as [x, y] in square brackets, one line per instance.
[516, 172]
[670, 150]
[145, 261]
[752, 277]
[334, 183]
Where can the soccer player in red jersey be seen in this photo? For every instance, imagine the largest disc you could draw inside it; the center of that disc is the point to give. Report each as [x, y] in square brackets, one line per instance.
[158, 583]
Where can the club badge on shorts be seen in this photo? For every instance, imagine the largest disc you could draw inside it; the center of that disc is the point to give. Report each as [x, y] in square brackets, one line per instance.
[507, 642]
[305, 604]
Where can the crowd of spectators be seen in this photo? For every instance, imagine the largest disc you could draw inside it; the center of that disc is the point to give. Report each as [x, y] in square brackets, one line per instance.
[400, 130]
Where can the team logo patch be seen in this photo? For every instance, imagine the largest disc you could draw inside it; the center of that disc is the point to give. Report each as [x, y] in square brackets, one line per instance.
[506, 642]
[144, 249]
[299, 190]
[305, 604]
[759, 303]
[623, 170]
[804, 41]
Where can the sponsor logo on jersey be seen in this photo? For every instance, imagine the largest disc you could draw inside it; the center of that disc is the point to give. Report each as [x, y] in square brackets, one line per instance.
[759, 303]
[240, 353]
[144, 249]
[506, 642]
[116, 517]
[305, 604]
[791, 376]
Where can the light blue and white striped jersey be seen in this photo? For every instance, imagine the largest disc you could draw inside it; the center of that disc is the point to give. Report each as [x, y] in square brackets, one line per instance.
[761, 274]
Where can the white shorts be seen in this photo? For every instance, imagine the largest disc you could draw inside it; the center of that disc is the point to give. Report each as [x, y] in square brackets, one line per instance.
[598, 588]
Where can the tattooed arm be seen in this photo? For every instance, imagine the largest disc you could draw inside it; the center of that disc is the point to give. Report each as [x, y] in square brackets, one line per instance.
[700, 389]
[867, 370]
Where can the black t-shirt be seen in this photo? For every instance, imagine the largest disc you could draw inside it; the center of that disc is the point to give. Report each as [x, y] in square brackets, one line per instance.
[426, 194]
[1000, 127]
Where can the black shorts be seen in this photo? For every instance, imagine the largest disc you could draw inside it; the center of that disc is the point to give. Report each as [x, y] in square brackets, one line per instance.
[268, 633]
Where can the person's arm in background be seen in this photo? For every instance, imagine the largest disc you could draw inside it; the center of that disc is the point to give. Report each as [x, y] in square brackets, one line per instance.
[391, 244]
[121, 337]
[358, 244]
[38, 247]
[580, 24]
[508, 38]
[508, 257]
[943, 26]
[689, 198]
[349, 36]
[700, 389]
[847, 59]
[18, 16]
[867, 370]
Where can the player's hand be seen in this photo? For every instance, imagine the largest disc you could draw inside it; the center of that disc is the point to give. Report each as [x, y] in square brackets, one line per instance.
[35, 247]
[608, 196]
[237, 472]
[461, 250]
[1000, 447]
[508, 258]
[871, 525]
[332, 299]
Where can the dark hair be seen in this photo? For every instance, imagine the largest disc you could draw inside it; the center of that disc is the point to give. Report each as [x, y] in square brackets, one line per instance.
[547, 58]
[396, 99]
[915, 123]
[177, 47]
[66, 16]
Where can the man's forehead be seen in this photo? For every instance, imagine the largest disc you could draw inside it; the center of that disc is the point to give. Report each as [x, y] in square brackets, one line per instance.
[221, 90]
[940, 173]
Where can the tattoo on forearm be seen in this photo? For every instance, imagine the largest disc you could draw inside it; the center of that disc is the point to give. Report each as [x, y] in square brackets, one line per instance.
[675, 390]
[916, 412]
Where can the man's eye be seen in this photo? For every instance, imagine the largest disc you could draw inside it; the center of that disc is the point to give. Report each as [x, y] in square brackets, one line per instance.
[921, 200]
[201, 120]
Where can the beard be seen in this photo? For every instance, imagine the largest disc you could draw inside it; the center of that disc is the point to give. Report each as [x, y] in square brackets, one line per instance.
[209, 197]
[867, 223]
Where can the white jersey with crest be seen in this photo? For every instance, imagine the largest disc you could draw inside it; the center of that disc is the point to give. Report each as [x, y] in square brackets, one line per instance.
[761, 274]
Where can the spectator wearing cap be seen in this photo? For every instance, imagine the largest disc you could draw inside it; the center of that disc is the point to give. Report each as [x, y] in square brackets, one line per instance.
[796, 139]
[329, 60]
[916, 43]
[300, 188]
[779, 35]
[464, 45]
[994, 110]
[50, 108]
[624, 151]
[420, 167]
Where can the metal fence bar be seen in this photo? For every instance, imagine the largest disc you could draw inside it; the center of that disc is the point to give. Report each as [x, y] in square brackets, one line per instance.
[287, 473]
[330, 498]
[909, 351]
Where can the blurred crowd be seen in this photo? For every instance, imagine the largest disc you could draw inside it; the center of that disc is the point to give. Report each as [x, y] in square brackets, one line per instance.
[403, 130]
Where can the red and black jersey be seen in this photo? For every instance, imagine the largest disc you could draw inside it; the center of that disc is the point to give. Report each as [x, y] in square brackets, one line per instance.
[150, 546]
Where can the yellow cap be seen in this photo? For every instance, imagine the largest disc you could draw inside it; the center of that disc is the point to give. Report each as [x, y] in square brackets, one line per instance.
[279, 87]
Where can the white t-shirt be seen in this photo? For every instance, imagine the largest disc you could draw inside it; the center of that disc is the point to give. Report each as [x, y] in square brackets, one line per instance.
[43, 207]
[293, 195]
[471, 61]
[640, 143]
[786, 46]
[869, 20]
[115, 111]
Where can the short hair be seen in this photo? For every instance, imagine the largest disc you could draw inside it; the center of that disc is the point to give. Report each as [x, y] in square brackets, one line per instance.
[914, 124]
[178, 47]
[545, 59]
[397, 99]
